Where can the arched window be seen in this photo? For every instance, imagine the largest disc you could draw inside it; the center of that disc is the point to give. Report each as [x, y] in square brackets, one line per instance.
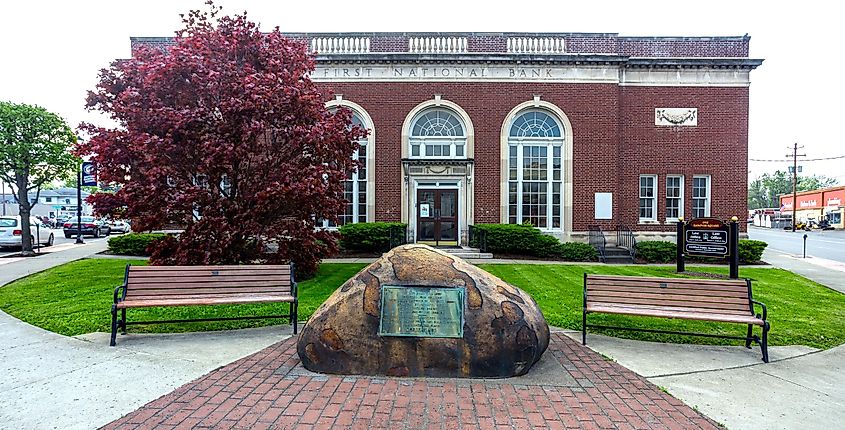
[355, 185]
[437, 133]
[535, 173]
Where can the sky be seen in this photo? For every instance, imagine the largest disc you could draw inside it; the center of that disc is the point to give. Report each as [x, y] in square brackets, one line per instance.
[51, 51]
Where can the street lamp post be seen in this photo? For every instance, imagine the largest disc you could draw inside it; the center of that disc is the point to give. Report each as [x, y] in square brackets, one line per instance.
[79, 207]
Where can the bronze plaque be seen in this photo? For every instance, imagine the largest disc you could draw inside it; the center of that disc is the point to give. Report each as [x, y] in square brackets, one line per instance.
[422, 311]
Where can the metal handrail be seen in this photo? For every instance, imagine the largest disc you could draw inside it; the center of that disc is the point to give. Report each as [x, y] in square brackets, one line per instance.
[597, 240]
[478, 238]
[625, 239]
[398, 236]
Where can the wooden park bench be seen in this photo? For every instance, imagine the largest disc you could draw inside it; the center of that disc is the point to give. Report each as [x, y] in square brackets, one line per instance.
[161, 286]
[718, 300]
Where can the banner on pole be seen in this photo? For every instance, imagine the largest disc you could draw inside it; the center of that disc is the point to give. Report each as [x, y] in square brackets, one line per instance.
[89, 174]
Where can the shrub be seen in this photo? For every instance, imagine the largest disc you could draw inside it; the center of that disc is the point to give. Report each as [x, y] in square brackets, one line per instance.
[577, 251]
[750, 251]
[368, 236]
[657, 251]
[134, 243]
[523, 239]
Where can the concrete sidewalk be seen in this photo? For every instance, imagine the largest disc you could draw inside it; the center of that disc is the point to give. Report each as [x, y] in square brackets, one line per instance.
[800, 388]
[50, 381]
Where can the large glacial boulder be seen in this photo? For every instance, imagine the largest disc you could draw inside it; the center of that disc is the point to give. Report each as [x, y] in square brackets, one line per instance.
[504, 332]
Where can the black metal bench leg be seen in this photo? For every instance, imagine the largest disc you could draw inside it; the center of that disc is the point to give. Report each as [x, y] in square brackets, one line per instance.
[748, 338]
[113, 325]
[294, 317]
[765, 344]
[584, 329]
[123, 320]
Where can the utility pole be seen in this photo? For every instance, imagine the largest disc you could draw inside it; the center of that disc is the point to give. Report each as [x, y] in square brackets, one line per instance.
[795, 156]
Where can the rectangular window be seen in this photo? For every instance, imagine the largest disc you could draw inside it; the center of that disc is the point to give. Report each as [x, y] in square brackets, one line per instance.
[674, 197]
[648, 198]
[700, 196]
[48, 199]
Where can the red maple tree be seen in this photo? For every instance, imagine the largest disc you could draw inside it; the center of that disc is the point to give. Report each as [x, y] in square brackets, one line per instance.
[223, 134]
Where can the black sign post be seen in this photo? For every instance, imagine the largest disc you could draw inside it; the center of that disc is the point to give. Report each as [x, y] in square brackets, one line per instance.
[679, 258]
[734, 244]
[79, 240]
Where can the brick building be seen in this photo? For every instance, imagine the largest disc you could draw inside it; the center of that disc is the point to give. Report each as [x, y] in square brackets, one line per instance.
[562, 130]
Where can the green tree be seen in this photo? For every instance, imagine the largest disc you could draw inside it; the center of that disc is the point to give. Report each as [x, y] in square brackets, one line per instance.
[765, 191]
[34, 149]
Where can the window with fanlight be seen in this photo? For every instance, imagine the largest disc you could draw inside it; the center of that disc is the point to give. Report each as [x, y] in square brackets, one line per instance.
[437, 133]
[535, 170]
[355, 185]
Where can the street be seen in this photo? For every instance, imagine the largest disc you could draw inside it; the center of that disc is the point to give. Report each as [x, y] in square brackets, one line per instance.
[829, 245]
[59, 240]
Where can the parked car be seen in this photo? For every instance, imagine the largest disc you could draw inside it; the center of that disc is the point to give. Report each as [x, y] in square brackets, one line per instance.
[120, 226]
[11, 233]
[90, 227]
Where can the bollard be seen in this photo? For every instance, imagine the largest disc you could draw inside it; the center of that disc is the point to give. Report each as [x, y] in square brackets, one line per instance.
[805, 245]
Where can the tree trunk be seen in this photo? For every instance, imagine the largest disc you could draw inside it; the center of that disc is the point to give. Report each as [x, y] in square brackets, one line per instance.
[25, 207]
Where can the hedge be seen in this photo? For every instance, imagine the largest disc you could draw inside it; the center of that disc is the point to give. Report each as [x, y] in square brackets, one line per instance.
[517, 239]
[369, 236]
[133, 243]
[751, 251]
[655, 251]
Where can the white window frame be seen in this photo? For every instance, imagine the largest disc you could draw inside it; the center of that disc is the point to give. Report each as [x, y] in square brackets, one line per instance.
[707, 198]
[654, 188]
[680, 198]
[550, 144]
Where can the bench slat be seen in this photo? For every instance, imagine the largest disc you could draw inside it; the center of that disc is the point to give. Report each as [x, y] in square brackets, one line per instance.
[668, 283]
[672, 289]
[683, 303]
[199, 282]
[651, 279]
[193, 286]
[682, 313]
[207, 273]
[193, 268]
[659, 297]
[193, 301]
[197, 292]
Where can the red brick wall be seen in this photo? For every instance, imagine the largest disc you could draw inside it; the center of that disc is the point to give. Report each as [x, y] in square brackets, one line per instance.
[717, 146]
[683, 47]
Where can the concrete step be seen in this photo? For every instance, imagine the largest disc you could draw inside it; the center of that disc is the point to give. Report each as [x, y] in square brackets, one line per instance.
[618, 259]
[469, 253]
[615, 250]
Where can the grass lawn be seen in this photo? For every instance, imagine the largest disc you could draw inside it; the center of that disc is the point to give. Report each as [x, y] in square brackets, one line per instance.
[75, 298]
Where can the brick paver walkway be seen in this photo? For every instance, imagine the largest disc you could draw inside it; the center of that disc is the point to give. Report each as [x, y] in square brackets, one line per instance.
[269, 389]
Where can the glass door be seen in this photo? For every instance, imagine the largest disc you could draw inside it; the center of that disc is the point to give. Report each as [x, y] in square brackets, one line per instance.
[437, 217]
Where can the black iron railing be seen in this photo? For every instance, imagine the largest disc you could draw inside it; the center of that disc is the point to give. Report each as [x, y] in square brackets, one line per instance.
[478, 238]
[398, 235]
[625, 239]
[597, 240]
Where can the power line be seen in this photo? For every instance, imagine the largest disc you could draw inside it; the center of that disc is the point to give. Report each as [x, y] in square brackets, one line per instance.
[790, 159]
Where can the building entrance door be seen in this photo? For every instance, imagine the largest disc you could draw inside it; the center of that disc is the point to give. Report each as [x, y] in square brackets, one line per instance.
[437, 217]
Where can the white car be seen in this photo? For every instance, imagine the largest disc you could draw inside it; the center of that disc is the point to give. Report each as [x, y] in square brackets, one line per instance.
[10, 232]
[120, 226]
